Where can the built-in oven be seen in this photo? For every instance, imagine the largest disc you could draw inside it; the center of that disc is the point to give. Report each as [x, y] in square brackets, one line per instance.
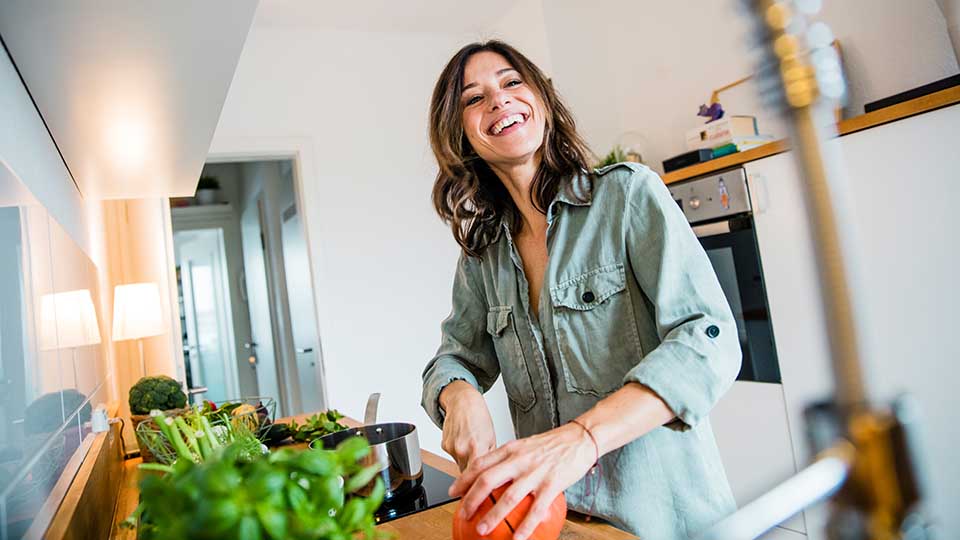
[719, 211]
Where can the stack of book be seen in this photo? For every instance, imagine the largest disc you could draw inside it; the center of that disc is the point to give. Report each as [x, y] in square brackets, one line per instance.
[724, 136]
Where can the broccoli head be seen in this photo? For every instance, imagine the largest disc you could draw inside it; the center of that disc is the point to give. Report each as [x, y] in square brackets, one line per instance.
[158, 392]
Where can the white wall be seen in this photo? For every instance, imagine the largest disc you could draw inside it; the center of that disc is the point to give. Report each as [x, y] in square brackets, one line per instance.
[646, 66]
[525, 27]
[951, 13]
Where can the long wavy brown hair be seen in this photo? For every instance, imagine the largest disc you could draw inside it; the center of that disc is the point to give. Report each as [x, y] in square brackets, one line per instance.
[467, 194]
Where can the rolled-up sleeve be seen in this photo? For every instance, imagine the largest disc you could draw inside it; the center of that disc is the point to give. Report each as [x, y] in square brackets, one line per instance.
[699, 355]
[466, 350]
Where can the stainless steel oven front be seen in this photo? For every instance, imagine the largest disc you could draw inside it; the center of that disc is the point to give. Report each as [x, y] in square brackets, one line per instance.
[719, 211]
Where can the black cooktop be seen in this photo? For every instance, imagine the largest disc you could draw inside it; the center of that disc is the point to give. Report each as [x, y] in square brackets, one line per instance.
[433, 492]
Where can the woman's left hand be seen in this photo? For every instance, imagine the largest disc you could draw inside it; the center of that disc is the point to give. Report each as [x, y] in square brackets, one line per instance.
[543, 465]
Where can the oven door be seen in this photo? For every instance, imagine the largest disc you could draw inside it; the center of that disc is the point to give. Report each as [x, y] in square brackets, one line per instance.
[731, 246]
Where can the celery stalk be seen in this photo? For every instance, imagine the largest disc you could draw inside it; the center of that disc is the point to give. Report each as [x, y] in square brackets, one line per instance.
[189, 434]
[208, 429]
[169, 429]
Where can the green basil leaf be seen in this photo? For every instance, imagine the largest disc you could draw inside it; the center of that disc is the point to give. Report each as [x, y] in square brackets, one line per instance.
[274, 521]
[352, 515]
[266, 482]
[249, 529]
[362, 478]
[318, 462]
[328, 493]
[215, 517]
[352, 450]
[376, 496]
[299, 501]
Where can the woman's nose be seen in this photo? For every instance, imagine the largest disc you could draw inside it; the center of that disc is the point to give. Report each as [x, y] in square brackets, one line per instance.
[499, 100]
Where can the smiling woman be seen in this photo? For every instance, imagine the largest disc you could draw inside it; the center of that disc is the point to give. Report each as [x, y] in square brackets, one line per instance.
[590, 294]
[510, 111]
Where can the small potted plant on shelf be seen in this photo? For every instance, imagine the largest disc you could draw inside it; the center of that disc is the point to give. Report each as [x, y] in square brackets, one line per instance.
[208, 190]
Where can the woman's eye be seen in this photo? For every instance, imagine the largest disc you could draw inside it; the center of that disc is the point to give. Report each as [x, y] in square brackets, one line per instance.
[513, 82]
[474, 99]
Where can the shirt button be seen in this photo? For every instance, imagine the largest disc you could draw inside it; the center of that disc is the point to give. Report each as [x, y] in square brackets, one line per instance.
[713, 331]
[588, 297]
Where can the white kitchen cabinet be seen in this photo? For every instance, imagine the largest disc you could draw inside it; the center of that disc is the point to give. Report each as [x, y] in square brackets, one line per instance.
[903, 181]
[785, 245]
[752, 431]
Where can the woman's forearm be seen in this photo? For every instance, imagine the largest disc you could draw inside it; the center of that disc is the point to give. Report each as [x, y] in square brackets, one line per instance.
[625, 415]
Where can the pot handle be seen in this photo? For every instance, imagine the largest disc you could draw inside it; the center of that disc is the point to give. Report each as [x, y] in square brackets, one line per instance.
[370, 415]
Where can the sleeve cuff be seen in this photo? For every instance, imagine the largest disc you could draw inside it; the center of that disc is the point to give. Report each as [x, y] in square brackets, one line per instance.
[443, 372]
[685, 380]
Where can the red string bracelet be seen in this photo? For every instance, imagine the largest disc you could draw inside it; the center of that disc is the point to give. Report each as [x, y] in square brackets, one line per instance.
[591, 489]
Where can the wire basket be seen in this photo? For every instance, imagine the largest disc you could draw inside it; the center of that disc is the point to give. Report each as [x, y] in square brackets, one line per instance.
[260, 413]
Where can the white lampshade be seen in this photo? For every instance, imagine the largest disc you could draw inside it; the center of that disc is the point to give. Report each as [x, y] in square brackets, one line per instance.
[137, 312]
[68, 319]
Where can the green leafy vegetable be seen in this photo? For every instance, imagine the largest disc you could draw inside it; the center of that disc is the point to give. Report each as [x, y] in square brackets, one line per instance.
[317, 426]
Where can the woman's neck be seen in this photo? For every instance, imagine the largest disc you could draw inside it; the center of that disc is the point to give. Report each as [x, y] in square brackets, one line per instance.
[517, 178]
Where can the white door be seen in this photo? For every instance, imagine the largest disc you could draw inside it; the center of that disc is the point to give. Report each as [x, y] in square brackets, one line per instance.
[303, 320]
[208, 325]
[260, 346]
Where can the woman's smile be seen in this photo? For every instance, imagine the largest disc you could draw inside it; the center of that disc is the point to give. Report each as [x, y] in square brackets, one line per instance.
[508, 124]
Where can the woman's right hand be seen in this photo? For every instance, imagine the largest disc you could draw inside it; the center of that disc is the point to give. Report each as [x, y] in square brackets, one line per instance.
[467, 428]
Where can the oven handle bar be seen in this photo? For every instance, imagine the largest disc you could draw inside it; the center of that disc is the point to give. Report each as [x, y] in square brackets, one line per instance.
[711, 229]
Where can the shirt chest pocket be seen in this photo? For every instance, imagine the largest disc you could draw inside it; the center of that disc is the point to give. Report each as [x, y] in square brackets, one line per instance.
[513, 365]
[596, 330]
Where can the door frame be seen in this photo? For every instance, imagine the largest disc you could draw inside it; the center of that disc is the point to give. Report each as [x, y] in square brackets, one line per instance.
[306, 186]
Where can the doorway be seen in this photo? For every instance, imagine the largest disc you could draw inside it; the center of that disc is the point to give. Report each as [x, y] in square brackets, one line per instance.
[246, 294]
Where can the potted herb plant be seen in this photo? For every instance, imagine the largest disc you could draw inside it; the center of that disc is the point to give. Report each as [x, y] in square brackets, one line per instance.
[224, 485]
[208, 190]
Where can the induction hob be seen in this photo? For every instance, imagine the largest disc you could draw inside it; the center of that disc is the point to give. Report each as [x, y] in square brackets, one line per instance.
[431, 493]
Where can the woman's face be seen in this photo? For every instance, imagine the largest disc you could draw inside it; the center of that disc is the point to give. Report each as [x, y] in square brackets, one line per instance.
[503, 118]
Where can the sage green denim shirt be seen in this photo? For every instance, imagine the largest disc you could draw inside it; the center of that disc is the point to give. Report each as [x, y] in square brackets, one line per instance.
[632, 298]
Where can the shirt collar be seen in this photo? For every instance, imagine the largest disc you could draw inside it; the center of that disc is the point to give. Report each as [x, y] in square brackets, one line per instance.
[577, 192]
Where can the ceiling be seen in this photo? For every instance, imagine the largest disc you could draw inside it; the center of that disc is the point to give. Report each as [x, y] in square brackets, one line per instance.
[130, 90]
[443, 16]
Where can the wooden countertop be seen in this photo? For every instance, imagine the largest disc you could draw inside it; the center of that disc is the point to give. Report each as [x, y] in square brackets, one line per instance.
[433, 524]
[930, 102]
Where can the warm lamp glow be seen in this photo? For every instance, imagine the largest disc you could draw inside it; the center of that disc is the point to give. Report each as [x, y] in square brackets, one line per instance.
[137, 312]
[68, 319]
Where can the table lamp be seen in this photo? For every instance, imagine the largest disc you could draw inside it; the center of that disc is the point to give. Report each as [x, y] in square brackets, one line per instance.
[137, 314]
[68, 320]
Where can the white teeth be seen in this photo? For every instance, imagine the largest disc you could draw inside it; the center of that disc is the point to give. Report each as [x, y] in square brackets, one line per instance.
[508, 121]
